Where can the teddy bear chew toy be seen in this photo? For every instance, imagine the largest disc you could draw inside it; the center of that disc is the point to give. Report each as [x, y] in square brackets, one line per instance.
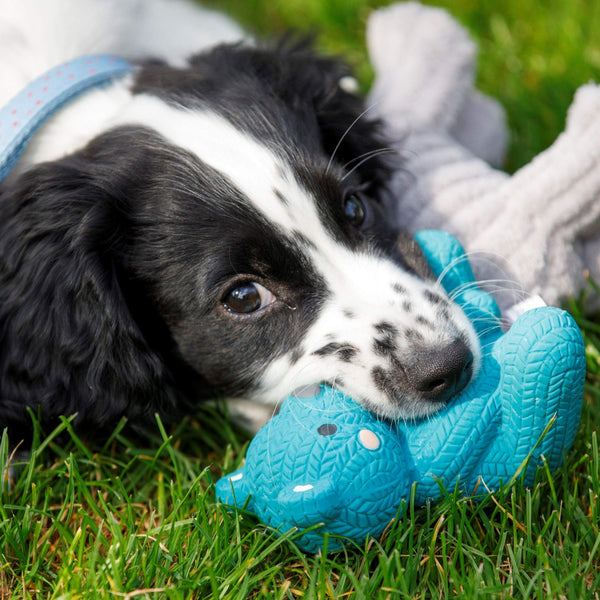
[324, 460]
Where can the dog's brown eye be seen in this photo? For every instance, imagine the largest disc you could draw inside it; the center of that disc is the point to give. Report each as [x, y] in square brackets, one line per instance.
[247, 298]
[354, 210]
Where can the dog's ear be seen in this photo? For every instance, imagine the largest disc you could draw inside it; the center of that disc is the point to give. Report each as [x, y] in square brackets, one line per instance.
[350, 132]
[314, 86]
[70, 340]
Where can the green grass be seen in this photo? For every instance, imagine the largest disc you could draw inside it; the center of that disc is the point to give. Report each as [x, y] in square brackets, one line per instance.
[130, 520]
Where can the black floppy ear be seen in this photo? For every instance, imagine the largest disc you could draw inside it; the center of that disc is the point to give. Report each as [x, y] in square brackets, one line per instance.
[350, 133]
[68, 339]
[307, 82]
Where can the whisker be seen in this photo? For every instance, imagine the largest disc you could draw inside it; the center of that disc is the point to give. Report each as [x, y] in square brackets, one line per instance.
[449, 266]
[510, 286]
[371, 153]
[363, 161]
[484, 285]
[362, 114]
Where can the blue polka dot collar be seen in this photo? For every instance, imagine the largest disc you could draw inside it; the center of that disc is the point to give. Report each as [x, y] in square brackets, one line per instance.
[22, 116]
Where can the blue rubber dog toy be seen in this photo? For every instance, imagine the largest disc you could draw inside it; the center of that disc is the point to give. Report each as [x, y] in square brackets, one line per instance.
[324, 460]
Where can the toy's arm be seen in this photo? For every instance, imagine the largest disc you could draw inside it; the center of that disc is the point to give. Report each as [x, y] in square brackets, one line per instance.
[542, 360]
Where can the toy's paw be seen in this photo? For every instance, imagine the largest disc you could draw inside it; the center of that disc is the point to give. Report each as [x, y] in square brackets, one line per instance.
[423, 61]
[232, 489]
[528, 376]
[585, 109]
[542, 363]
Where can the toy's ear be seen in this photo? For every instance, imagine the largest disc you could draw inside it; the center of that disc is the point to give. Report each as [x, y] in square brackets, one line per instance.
[304, 505]
[450, 264]
[446, 257]
[233, 489]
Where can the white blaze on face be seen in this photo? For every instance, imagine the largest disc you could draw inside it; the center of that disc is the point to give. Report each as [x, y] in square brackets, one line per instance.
[250, 166]
[363, 293]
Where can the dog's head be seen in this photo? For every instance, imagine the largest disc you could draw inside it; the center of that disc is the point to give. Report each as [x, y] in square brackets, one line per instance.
[230, 234]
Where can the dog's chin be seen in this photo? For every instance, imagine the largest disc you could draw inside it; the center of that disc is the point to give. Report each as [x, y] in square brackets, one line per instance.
[402, 408]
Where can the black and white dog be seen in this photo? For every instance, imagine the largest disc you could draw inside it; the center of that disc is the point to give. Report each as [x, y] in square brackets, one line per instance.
[205, 227]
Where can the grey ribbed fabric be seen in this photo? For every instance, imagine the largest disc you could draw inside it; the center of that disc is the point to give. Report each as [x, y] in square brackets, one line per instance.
[537, 231]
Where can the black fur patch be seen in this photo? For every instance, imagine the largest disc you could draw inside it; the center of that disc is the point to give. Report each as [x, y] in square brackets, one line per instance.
[384, 346]
[413, 334]
[433, 297]
[281, 197]
[296, 355]
[345, 352]
[385, 327]
[380, 378]
[425, 322]
[110, 286]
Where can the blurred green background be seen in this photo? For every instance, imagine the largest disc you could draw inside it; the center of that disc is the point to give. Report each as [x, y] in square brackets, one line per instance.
[532, 55]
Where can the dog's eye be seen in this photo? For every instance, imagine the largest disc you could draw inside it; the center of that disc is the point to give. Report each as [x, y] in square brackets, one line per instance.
[247, 298]
[355, 210]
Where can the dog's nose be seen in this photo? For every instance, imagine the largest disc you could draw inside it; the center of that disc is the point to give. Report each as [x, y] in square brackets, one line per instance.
[440, 373]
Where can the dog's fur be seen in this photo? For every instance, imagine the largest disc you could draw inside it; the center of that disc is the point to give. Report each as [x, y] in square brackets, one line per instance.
[144, 211]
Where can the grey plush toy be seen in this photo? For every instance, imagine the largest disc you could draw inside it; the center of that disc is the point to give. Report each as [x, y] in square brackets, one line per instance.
[536, 232]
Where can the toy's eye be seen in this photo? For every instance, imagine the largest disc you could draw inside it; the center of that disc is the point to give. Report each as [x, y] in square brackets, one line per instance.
[327, 429]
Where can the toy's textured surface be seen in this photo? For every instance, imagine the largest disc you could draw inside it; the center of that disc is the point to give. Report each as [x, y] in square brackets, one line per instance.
[324, 459]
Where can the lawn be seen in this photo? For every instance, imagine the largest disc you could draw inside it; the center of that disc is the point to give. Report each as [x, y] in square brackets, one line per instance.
[130, 519]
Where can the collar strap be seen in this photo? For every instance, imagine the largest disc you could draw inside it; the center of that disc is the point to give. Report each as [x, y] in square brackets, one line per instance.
[30, 108]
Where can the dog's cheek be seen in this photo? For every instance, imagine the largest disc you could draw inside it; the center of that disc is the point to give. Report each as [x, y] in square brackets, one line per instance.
[232, 353]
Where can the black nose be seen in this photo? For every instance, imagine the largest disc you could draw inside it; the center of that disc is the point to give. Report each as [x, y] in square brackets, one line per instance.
[440, 373]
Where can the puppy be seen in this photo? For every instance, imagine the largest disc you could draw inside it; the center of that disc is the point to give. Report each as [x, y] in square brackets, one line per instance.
[211, 226]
